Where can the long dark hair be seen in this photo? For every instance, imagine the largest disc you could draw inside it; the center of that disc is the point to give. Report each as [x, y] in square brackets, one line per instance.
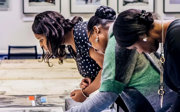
[103, 16]
[131, 24]
[54, 26]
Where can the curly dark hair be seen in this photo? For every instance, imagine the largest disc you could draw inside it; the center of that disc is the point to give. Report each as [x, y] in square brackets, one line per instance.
[54, 26]
[103, 16]
[131, 24]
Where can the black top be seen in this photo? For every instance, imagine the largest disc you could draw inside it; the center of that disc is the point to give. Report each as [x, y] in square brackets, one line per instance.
[172, 62]
[87, 67]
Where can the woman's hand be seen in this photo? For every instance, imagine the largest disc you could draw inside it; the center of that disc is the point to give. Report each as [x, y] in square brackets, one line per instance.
[77, 95]
[85, 83]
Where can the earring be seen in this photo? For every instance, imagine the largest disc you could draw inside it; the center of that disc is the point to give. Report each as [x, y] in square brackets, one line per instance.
[145, 39]
[97, 39]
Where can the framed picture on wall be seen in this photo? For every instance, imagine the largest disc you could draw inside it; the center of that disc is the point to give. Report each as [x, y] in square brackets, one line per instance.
[147, 5]
[4, 5]
[86, 6]
[37, 6]
[171, 6]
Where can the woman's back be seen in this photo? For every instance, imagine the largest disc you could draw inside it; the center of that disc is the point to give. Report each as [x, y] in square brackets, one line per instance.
[86, 65]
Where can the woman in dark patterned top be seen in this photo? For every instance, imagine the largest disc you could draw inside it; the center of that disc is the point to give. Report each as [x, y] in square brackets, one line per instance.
[86, 65]
[98, 26]
[54, 32]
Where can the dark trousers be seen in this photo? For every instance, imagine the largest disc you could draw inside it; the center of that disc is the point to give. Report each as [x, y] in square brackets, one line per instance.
[176, 106]
[131, 100]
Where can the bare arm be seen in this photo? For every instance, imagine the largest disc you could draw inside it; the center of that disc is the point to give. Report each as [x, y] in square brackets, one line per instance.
[94, 85]
[77, 95]
[99, 58]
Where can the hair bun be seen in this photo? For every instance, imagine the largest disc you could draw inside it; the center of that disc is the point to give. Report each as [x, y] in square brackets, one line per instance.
[105, 12]
[146, 17]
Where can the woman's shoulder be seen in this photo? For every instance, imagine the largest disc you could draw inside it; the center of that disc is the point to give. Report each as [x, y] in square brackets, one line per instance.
[81, 25]
[80, 31]
[172, 35]
[81, 37]
[174, 25]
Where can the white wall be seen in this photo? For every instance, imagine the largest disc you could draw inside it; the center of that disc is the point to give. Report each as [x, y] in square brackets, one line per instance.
[15, 31]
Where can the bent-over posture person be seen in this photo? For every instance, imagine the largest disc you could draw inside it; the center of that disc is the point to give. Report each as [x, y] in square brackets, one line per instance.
[98, 26]
[136, 29]
[54, 32]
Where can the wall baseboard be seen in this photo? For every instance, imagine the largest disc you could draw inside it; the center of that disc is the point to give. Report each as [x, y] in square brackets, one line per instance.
[5, 56]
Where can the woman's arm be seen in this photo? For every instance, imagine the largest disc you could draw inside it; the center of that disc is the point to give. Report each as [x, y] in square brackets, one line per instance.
[94, 85]
[77, 95]
[99, 58]
[97, 103]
